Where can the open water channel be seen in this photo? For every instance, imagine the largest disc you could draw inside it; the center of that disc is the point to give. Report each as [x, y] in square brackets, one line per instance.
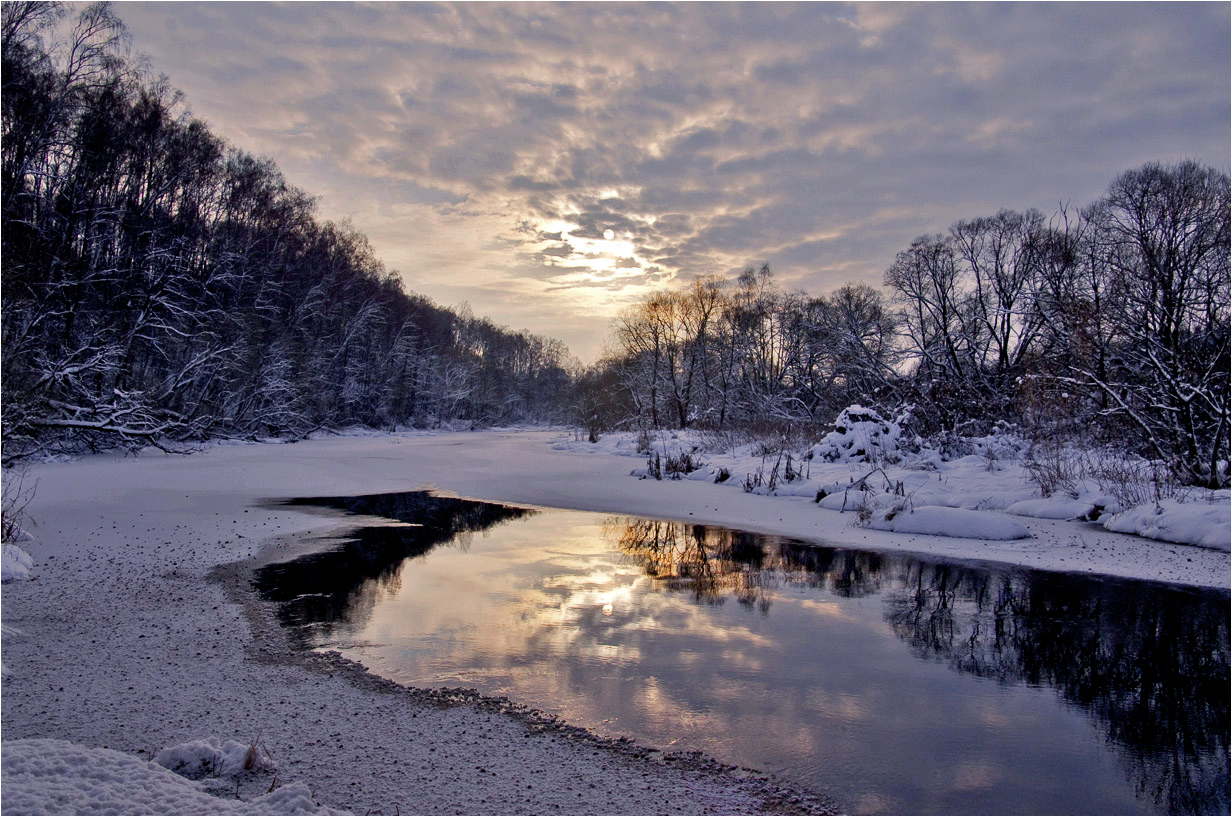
[895, 684]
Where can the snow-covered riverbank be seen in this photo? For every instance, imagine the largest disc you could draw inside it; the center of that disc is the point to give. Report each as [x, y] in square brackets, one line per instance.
[133, 635]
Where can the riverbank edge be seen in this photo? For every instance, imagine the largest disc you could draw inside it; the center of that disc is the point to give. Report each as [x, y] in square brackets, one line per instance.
[84, 496]
[271, 643]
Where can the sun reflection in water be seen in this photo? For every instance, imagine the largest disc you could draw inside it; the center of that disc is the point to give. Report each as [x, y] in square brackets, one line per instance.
[875, 671]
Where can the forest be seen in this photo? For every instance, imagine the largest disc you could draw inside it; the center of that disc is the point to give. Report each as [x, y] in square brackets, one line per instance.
[1105, 326]
[162, 286]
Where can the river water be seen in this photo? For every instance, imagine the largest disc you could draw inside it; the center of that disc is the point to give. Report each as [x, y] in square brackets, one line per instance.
[896, 684]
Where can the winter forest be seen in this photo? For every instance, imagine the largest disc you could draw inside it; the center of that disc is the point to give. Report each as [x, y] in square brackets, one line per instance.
[162, 286]
[666, 474]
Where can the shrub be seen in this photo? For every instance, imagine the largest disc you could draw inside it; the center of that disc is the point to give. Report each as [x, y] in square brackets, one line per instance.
[684, 463]
[1051, 469]
[16, 497]
[860, 435]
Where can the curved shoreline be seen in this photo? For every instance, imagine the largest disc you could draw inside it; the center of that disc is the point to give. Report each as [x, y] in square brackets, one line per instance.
[271, 644]
[121, 640]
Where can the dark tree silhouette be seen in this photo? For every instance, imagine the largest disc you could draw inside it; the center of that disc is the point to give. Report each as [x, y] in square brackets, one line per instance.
[162, 286]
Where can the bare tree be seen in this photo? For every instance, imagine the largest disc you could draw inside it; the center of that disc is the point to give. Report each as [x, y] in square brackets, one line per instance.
[863, 334]
[926, 281]
[1003, 257]
[1163, 237]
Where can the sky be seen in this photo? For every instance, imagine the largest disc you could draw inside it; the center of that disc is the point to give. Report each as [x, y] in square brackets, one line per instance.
[551, 164]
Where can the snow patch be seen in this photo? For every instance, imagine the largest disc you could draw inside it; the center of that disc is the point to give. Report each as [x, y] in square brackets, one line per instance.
[1187, 523]
[1053, 508]
[844, 500]
[47, 776]
[214, 758]
[958, 523]
[15, 564]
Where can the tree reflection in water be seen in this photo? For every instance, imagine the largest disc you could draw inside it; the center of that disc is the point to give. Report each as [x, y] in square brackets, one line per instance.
[317, 591]
[711, 563]
[1148, 662]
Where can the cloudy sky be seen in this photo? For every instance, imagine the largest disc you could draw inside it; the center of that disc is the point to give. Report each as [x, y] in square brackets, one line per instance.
[550, 164]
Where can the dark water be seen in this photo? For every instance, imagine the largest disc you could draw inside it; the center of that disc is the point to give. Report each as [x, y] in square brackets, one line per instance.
[894, 683]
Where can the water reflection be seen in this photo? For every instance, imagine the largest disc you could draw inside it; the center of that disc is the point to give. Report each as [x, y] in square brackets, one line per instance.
[1149, 662]
[711, 563]
[624, 623]
[344, 584]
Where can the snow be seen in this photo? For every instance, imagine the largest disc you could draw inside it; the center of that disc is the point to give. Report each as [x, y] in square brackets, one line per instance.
[1204, 525]
[15, 564]
[139, 633]
[1053, 508]
[214, 758]
[955, 522]
[47, 776]
[860, 435]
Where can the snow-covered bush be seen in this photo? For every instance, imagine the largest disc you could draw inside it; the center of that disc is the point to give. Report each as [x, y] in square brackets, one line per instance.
[860, 435]
[1003, 444]
[951, 445]
[674, 467]
[212, 757]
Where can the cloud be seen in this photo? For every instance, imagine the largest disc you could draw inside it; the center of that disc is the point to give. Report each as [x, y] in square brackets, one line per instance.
[705, 137]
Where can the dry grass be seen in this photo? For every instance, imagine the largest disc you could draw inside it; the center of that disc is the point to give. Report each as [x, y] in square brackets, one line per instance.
[16, 497]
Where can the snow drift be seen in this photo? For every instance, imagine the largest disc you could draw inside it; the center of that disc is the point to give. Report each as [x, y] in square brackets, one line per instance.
[48, 776]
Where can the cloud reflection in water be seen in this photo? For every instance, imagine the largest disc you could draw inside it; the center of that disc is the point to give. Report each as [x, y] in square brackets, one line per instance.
[898, 684]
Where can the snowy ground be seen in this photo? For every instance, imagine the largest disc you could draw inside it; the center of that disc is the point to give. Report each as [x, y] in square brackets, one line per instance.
[131, 637]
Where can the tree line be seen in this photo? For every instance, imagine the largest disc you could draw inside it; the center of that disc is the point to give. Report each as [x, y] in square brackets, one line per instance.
[161, 285]
[1108, 324]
